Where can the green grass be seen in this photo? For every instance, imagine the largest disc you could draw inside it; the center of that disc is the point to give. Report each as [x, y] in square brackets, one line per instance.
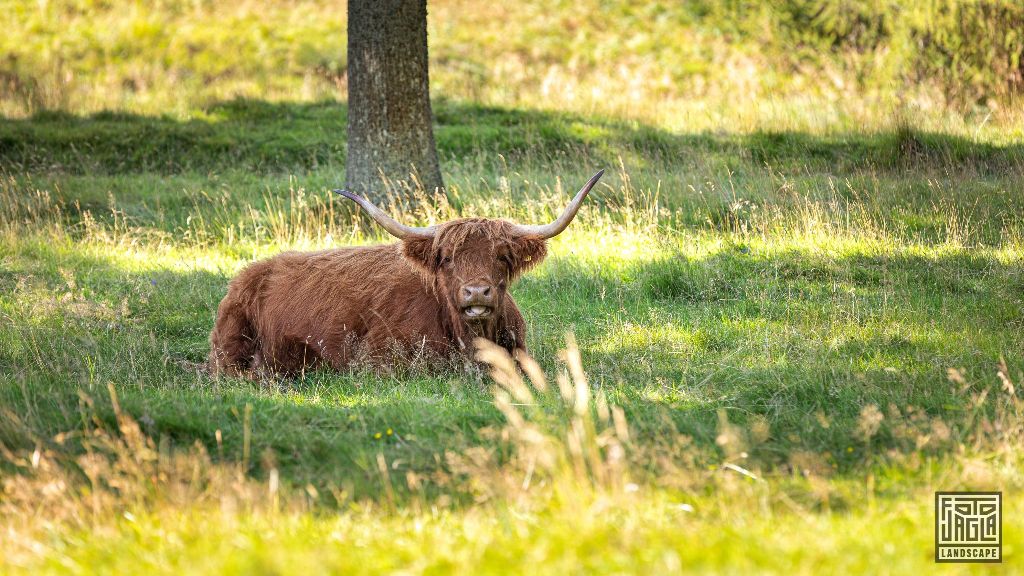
[254, 135]
[745, 299]
[797, 296]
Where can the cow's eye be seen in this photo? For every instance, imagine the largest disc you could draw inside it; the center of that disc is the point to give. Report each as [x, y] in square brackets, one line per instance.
[446, 260]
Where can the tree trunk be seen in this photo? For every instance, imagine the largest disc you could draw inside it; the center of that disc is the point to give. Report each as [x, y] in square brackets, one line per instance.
[390, 130]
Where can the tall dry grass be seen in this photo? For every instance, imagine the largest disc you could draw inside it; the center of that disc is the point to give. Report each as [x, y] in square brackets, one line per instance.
[562, 444]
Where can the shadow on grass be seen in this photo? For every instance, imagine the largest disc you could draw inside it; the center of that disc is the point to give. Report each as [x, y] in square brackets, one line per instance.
[274, 137]
[791, 337]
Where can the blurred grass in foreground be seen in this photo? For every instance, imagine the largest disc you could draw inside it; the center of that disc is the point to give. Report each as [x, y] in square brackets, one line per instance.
[553, 494]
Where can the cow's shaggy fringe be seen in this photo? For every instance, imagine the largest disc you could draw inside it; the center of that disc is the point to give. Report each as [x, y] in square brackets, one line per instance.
[497, 232]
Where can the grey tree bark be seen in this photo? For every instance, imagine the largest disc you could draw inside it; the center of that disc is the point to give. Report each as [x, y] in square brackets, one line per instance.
[390, 129]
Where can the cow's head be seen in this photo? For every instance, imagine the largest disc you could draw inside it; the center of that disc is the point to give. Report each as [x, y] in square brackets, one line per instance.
[471, 261]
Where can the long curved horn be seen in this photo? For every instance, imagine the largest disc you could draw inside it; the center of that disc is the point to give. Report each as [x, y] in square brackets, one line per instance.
[395, 228]
[555, 228]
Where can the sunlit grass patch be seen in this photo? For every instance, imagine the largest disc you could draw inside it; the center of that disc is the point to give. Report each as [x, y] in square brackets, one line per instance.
[637, 536]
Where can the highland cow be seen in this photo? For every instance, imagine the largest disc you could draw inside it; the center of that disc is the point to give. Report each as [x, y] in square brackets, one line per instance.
[434, 291]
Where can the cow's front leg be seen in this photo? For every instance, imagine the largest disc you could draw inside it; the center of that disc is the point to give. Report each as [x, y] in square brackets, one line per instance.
[512, 332]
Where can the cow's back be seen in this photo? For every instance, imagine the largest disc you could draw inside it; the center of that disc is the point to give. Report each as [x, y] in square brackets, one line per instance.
[338, 305]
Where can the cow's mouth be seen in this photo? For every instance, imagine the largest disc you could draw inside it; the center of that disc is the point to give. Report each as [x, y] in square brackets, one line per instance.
[477, 312]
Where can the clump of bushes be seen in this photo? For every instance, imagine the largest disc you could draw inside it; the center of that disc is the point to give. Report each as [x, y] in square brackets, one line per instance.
[972, 49]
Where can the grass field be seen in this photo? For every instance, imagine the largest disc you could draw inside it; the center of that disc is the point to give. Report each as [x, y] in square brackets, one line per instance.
[778, 326]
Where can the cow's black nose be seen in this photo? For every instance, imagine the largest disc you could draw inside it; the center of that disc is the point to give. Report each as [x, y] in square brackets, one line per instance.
[480, 294]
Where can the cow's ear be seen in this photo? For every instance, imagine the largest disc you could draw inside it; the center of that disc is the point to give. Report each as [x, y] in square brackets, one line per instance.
[420, 251]
[527, 252]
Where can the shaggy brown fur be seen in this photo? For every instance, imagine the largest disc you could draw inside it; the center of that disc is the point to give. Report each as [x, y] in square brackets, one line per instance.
[299, 310]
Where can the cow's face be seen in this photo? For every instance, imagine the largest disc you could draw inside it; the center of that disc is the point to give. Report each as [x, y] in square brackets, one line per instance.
[472, 262]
